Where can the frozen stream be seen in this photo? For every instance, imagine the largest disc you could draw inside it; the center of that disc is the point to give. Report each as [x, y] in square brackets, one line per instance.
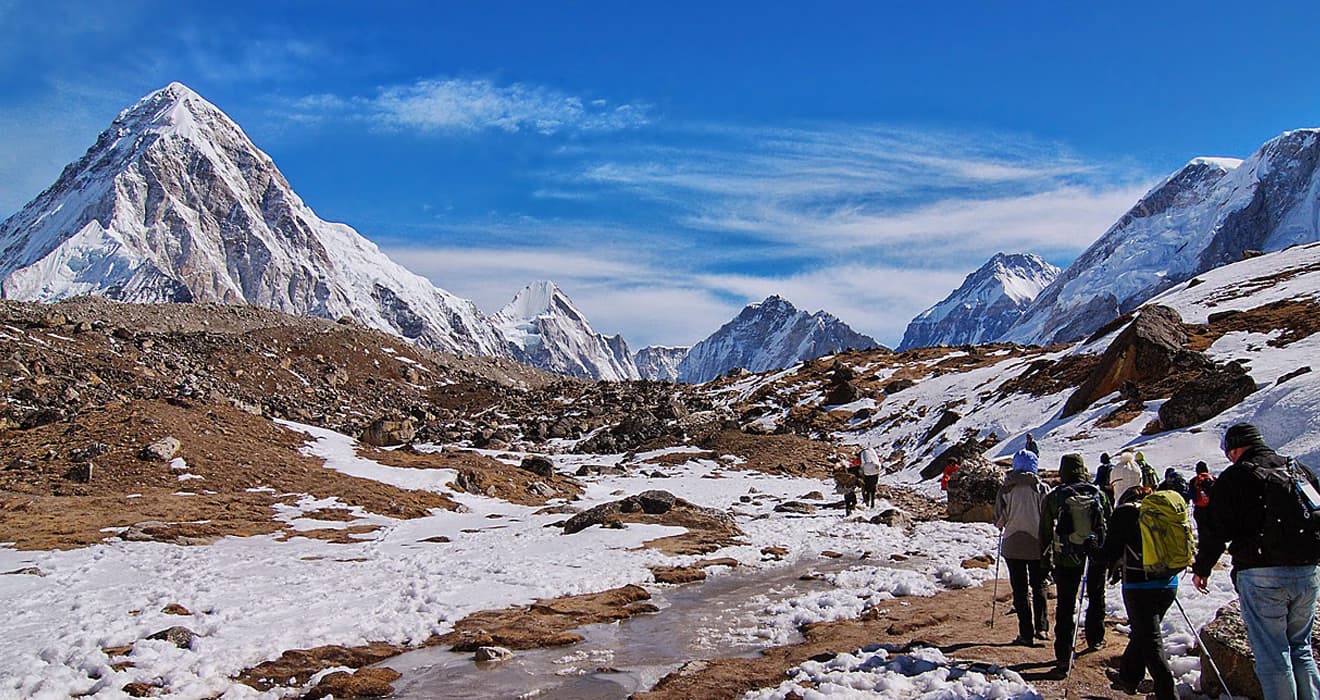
[715, 618]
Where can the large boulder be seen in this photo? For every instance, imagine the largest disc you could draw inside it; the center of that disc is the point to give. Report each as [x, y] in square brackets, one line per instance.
[1148, 351]
[972, 491]
[387, 433]
[1213, 392]
[1225, 640]
[965, 452]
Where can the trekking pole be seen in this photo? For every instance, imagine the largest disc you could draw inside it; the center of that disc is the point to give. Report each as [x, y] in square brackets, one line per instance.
[994, 595]
[1077, 621]
[1197, 633]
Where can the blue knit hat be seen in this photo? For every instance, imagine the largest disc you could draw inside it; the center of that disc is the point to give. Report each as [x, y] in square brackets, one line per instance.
[1026, 461]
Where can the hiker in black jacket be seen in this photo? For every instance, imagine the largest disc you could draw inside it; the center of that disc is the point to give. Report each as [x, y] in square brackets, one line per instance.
[1146, 598]
[1277, 582]
[1073, 561]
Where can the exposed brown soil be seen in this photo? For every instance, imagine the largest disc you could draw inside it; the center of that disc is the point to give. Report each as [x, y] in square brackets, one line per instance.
[792, 455]
[704, 533]
[545, 623]
[691, 573]
[1047, 377]
[483, 475]
[955, 621]
[1296, 318]
[296, 666]
[231, 450]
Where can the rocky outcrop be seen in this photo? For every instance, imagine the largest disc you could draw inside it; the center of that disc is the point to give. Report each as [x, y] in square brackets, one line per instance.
[968, 451]
[972, 491]
[1148, 351]
[162, 450]
[1225, 640]
[1213, 392]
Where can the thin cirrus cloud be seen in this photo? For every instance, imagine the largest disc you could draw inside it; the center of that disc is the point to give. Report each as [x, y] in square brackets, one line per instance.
[461, 105]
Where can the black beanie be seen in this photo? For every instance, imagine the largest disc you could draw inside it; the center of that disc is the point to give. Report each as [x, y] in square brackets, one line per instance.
[1243, 435]
[1202, 468]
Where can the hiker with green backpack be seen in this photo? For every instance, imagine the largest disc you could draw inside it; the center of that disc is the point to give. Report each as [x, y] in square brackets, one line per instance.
[1072, 533]
[1149, 543]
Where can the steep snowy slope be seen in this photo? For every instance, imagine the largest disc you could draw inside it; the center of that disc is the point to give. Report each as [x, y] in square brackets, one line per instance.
[175, 203]
[987, 304]
[769, 335]
[1205, 215]
[547, 331]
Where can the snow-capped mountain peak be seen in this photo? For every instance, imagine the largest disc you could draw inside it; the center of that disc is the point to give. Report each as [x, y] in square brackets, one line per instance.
[1206, 214]
[544, 328]
[174, 203]
[769, 334]
[988, 303]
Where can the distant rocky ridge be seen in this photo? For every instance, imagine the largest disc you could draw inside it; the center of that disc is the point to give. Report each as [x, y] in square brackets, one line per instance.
[1211, 212]
[660, 362]
[771, 334]
[985, 307]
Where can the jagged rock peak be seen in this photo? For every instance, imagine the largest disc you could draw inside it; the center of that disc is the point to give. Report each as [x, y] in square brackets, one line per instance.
[543, 328]
[660, 362]
[988, 303]
[770, 334]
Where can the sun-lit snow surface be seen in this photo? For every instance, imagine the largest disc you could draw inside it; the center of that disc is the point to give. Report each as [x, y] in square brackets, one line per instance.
[768, 335]
[175, 203]
[985, 306]
[549, 332]
[1203, 216]
[877, 672]
[255, 597]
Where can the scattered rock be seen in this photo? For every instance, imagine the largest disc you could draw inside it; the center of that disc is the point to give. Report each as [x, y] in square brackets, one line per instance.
[175, 609]
[438, 539]
[774, 552]
[898, 385]
[1293, 374]
[795, 507]
[982, 562]
[385, 433]
[492, 653]
[88, 452]
[538, 465]
[80, 472]
[26, 571]
[831, 554]
[138, 689]
[162, 450]
[678, 574]
[181, 637]
[362, 683]
[893, 517]
[813, 496]
[655, 502]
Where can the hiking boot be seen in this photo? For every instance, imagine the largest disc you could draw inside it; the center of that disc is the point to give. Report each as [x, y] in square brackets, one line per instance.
[1060, 671]
[1096, 646]
[1043, 635]
[1024, 641]
[1116, 682]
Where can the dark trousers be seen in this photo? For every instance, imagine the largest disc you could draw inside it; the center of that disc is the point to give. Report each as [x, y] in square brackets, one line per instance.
[868, 489]
[1069, 580]
[1024, 574]
[1145, 649]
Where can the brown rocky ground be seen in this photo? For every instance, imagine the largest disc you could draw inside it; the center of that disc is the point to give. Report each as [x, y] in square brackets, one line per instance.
[957, 622]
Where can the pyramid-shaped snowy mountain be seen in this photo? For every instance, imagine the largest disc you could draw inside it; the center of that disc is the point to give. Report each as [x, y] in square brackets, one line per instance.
[175, 203]
[1209, 213]
[547, 331]
[771, 334]
[987, 304]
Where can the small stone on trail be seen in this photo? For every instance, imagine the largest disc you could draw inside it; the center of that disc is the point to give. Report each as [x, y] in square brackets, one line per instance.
[492, 654]
[175, 609]
[831, 554]
[162, 450]
[774, 552]
[813, 496]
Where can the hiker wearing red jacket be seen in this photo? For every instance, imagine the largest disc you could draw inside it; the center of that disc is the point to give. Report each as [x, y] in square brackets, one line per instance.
[949, 470]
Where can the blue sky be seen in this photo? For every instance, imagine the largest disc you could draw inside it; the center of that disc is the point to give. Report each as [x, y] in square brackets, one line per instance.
[666, 163]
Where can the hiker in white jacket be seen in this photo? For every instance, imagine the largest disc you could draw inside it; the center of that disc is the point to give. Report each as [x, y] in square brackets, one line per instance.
[870, 475]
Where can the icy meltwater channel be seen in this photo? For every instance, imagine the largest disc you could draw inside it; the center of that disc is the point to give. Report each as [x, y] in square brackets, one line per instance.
[723, 616]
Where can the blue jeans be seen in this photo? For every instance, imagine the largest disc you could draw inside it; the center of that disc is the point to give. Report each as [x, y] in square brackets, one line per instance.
[1278, 608]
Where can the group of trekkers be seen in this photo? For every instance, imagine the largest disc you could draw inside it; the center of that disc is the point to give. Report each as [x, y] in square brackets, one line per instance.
[1131, 526]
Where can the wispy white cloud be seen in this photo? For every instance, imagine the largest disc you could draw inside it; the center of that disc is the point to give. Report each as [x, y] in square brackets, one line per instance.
[460, 105]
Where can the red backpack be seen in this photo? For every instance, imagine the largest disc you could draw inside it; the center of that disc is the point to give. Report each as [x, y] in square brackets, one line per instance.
[1201, 486]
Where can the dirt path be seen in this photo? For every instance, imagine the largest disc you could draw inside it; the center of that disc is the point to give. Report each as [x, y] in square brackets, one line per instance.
[954, 621]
